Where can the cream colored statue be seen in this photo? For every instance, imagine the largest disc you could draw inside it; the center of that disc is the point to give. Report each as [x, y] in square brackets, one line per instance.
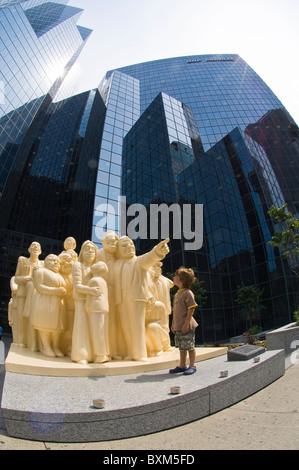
[107, 254]
[70, 247]
[158, 310]
[105, 304]
[131, 293]
[97, 308]
[23, 278]
[13, 310]
[46, 315]
[66, 261]
[157, 337]
[81, 344]
[161, 286]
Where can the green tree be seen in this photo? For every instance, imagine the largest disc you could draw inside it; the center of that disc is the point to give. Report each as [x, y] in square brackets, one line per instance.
[287, 239]
[250, 297]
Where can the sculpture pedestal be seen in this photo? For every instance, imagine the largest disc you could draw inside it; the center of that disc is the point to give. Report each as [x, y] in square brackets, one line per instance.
[61, 409]
[24, 361]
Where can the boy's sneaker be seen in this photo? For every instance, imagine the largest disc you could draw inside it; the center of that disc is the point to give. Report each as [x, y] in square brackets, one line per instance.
[190, 371]
[178, 370]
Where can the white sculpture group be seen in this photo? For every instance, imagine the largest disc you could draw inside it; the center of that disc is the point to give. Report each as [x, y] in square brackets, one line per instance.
[99, 305]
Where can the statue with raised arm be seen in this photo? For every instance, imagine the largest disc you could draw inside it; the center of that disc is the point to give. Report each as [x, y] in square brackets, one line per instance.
[131, 293]
[107, 254]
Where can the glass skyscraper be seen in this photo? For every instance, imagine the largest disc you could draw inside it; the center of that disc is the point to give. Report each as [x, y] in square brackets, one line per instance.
[40, 42]
[210, 132]
[196, 130]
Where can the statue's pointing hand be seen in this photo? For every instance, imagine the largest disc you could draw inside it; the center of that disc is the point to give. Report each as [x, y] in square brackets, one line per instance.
[163, 248]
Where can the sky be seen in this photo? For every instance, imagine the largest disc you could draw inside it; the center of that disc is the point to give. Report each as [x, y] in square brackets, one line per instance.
[265, 33]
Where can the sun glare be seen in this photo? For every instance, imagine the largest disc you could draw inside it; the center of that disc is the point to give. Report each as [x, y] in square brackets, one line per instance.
[56, 71]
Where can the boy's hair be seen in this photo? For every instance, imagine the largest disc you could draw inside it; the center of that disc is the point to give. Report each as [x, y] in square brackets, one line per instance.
[186, 276]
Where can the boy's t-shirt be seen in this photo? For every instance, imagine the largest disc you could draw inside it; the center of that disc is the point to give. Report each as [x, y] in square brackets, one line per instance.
[182, 302]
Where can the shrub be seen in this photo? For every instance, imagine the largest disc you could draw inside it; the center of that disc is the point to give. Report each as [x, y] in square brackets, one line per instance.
[254, 330]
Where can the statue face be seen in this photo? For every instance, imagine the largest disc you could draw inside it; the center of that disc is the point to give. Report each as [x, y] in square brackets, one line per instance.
[126, 248]
[70, 243]
[52, 263]
[89, 253]
[66, 263]
[35, 248]
[110, 243]
[99, 269]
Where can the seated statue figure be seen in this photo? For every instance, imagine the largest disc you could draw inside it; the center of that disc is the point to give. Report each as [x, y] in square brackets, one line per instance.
[158, 309]
[46, 306]
[157, 337]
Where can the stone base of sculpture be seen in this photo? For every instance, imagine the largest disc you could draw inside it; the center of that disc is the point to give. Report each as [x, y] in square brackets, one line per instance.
[59, 409]
[25, 361]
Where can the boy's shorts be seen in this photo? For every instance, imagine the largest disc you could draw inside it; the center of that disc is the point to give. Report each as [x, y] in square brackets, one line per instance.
[185, 341]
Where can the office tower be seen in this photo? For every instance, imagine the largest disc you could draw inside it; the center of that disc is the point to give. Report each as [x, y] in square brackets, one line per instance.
[40, 42]
[192, 131]
[55, 194]
[121, 95]
[222, 91]
[240, 158]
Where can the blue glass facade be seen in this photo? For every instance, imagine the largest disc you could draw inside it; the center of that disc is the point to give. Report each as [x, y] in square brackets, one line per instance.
[40, 42]
[33, 66]
[54, 197]
[236, 183]
[237, 158]
[198, 130]
[55, 194]
[222, 91]
[121, 95]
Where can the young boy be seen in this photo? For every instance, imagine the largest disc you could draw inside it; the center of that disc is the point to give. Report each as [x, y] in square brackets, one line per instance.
[183, 323]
